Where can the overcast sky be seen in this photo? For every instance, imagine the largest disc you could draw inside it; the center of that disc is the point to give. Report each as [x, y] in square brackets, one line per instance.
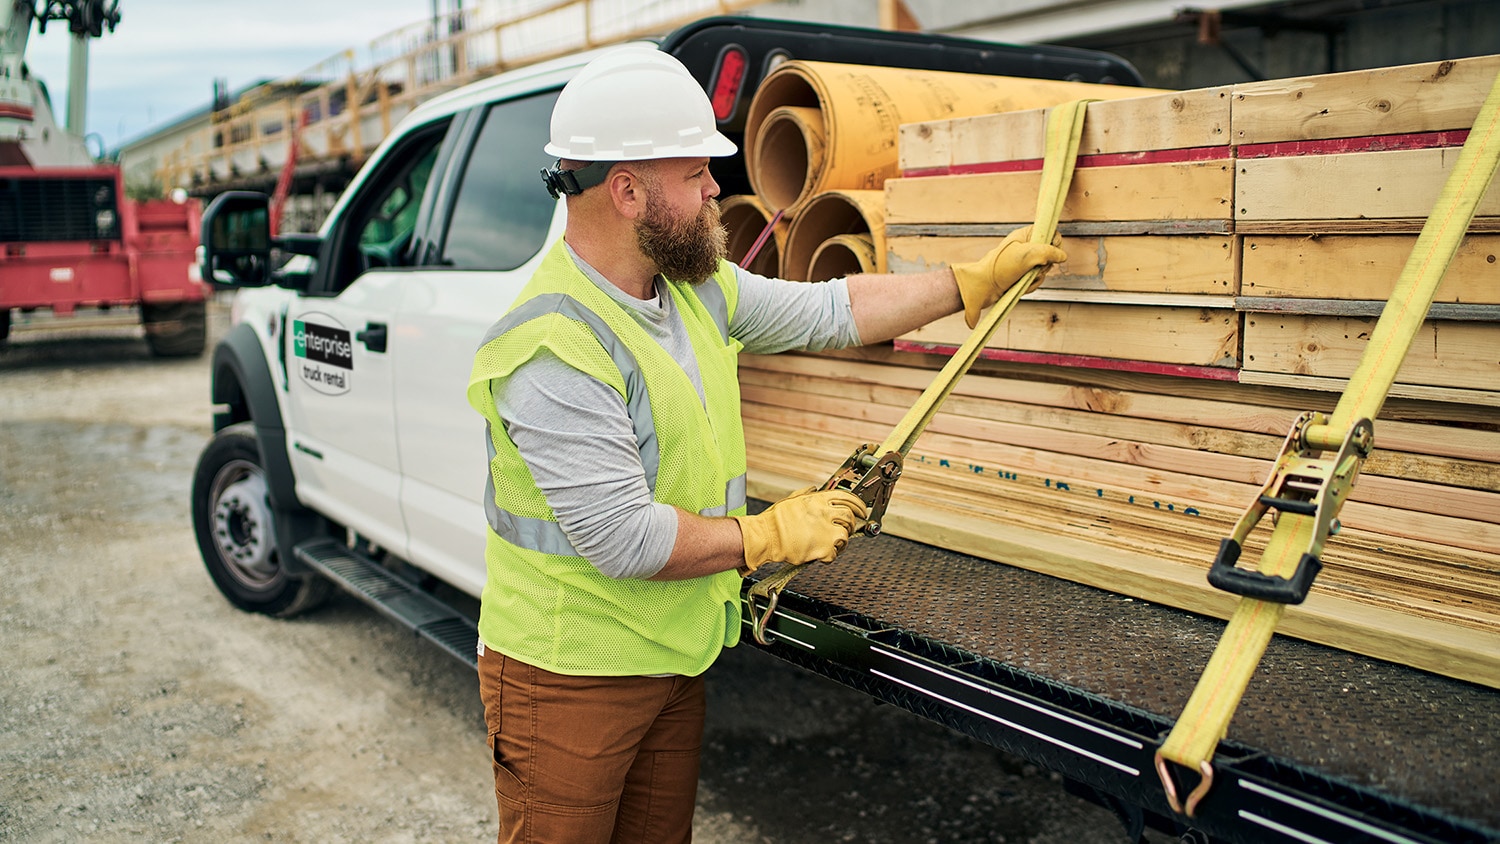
[161, 61]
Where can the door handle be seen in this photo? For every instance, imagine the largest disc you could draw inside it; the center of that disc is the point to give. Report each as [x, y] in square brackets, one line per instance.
[373, 336]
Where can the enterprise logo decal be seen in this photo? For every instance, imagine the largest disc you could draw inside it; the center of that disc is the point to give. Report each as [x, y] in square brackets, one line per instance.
[324, 352]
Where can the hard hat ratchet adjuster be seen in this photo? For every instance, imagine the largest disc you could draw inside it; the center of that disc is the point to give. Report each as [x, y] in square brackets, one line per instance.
[573, 182]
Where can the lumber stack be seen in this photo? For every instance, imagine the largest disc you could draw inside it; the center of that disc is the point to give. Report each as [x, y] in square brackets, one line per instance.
[1219, 282]
[1151, 200]
[1335, 178]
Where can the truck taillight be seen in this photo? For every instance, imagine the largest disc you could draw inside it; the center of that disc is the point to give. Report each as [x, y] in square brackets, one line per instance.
[729, 78]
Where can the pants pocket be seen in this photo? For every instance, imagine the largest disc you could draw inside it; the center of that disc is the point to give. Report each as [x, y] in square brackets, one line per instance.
[527, 821]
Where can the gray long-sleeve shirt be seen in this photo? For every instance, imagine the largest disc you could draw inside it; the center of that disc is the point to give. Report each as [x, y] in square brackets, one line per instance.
[576, 436]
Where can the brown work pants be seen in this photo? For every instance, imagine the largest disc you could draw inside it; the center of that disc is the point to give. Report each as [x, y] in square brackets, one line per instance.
[591, 760]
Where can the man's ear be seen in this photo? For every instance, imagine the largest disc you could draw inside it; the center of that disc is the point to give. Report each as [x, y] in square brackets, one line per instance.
[627, 192]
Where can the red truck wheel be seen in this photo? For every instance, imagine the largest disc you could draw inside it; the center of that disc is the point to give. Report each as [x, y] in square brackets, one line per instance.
[175, 329]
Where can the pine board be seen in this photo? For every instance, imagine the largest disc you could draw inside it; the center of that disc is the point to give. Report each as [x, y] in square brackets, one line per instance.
[1426, 97]
[1477, 403]
[1116, 447]
[1192, 264]
[1330, 618]
[1176, 120]
[1443, 354]
[1167, 489]
[1191, 191]
[1362, 267]
[1233, 407]
[1197, 337]
[857, 399]
[1355, 185]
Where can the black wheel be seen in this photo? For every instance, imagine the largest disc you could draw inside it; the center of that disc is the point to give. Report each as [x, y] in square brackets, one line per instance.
[176, 329]
[4, 324]
[236, 529]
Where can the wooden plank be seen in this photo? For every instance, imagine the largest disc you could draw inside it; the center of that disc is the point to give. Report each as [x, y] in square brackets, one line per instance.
[1356, 267]
[1440, 311]
[1403, 183]
[1449, 354]
[980, 461]
[1384, 101]
[1190, 264]
[1257, 410]
[1115, 447]
[927, 144]
[1319, 228]
[1070, 229]
[1197, 337]
[807, 391]
[1077, 362]
[1172, 528]
[1481, 400]
[1392, 633]
[1175, 120]
[1193, 191]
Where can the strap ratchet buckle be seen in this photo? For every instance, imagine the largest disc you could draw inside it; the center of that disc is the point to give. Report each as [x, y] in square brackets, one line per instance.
[1303, 483]
[866, 475]
[869, 477]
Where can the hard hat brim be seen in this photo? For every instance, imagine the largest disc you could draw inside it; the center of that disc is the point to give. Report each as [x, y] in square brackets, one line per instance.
[714, 146]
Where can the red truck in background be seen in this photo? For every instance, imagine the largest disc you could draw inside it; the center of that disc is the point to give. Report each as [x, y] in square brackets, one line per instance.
[69, 236]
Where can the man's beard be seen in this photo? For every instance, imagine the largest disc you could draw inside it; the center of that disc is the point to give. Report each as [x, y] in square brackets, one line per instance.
[683, 249]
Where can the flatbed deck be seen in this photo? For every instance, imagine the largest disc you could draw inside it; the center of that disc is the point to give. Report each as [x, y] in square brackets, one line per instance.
[1375, 751]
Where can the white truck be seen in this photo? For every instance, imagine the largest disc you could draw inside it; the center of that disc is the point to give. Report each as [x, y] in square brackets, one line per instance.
[346, 455]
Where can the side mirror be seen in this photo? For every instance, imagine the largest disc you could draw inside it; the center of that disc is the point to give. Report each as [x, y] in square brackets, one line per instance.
[237, 240]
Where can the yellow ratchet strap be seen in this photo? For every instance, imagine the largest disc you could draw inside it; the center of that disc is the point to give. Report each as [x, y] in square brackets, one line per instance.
[873, 469]
[1317, 467]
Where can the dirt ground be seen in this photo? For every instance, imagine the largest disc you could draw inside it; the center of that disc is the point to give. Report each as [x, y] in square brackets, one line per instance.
[137, 705]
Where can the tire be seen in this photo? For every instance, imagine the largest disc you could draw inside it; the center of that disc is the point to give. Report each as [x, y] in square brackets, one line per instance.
[176, 329]
[4, 324]
[236, 529]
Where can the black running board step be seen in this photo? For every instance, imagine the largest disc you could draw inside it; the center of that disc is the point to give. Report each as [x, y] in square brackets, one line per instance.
[403, 602]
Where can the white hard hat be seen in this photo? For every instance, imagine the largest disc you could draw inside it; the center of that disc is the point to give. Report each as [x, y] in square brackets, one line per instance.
[633, 104]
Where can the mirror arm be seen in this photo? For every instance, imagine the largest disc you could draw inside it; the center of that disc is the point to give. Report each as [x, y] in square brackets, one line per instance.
[299, 244]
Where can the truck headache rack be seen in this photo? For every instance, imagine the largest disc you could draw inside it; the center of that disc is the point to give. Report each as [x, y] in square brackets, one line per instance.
[1328, 745]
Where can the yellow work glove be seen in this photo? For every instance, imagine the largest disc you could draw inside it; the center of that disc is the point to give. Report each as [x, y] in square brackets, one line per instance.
[800, 529]
[983, 282]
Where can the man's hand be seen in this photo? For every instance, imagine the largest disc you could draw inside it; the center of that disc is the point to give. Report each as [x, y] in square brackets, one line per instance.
[801, 528]
[983, 282]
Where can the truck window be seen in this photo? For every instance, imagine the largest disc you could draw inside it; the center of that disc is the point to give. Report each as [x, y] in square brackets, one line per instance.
[396, 215]
[502, 212]
[381, 222]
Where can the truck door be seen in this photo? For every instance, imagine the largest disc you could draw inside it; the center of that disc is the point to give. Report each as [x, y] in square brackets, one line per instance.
[486, 243]
[338, 346]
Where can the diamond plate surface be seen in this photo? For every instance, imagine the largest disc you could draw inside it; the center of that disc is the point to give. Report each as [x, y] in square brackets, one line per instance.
[1413, 735]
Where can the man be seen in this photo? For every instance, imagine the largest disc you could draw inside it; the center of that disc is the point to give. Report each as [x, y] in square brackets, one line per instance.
[617, 481]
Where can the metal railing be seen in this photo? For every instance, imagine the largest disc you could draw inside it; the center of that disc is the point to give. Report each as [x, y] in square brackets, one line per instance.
[341, 108]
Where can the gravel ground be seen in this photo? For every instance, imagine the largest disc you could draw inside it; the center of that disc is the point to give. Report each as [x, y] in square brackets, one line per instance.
[137, 705]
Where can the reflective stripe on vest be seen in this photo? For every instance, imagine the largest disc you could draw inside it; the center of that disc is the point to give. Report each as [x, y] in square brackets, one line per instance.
[545, 535]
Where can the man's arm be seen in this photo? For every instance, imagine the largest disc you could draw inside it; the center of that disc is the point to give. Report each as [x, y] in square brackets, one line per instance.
[577, 440]
[889, 305]
[704, 546]
[775, 315]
